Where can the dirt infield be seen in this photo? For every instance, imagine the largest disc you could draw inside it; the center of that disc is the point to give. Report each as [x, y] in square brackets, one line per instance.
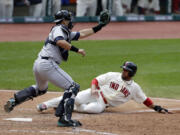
[128, 119]
[128, 30]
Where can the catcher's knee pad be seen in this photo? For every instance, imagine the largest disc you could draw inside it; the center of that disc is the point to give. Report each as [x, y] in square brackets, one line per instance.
[74, 88]
[27, 94]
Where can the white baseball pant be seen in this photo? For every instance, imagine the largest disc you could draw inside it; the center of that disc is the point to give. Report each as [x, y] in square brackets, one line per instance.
[146, 4]
[117, 9]
[55, 6]
[86, 7]
[6, 8]
[84, 102]
[35, 10]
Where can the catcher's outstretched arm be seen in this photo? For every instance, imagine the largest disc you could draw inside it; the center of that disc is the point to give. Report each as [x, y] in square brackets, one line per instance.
[103, 21]
[86, 32]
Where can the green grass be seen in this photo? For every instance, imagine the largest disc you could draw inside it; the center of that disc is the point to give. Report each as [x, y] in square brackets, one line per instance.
[158, 63]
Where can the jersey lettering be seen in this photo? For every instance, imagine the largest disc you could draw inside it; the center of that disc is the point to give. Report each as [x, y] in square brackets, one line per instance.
[125, 91]
[114, 85]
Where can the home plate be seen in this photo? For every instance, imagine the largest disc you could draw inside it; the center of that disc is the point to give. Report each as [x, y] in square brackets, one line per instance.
[20, 119]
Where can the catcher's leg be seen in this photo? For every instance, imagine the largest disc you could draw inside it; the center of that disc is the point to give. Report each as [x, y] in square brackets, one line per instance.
[60, 78]
[22, 96]
[66, 106]
[28, 93]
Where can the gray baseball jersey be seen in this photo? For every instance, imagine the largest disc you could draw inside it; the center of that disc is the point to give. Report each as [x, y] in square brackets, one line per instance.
[58, 32]
[46, 67]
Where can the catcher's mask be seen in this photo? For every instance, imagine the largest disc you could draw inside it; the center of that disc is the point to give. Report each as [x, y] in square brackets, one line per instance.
[131, 67]
[63, 15]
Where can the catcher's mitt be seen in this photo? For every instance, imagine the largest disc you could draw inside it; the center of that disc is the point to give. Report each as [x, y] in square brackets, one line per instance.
[104, 18]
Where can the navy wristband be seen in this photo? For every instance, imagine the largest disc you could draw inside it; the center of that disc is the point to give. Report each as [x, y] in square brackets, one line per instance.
[74, 49]
[97, 28]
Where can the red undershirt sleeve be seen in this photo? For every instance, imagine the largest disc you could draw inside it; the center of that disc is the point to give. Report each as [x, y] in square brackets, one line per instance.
[148, 102]
[95, 82]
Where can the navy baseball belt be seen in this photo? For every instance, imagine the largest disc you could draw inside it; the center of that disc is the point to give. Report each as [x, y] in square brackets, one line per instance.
[47, 58]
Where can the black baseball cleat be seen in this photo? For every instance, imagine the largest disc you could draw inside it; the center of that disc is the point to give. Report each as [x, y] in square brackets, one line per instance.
[9, 106]
[70, 123]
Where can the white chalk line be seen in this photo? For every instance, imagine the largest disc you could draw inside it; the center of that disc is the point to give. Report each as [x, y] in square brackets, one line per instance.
[31, 131]
[74, 131]
[167, 99]
[19, 119]
[142, 111]
[92, 131]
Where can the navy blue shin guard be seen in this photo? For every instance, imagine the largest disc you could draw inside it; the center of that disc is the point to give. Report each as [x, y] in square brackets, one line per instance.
[66, 105]
[60, 109]
[27, 94]
[68, 109]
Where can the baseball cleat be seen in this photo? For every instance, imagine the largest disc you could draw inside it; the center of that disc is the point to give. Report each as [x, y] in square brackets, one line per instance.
[41, 107]
[70, 123]
[9, 106]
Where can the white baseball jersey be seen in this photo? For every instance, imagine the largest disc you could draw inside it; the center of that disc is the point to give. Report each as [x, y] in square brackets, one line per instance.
[117, 91]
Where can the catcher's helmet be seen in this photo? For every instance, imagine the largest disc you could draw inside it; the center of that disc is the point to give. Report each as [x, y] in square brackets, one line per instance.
[62, 15]
[131, 67]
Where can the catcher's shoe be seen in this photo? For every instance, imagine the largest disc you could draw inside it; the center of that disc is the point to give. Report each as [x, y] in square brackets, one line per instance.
[41, 107]
[9, 106]
[70, 123]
